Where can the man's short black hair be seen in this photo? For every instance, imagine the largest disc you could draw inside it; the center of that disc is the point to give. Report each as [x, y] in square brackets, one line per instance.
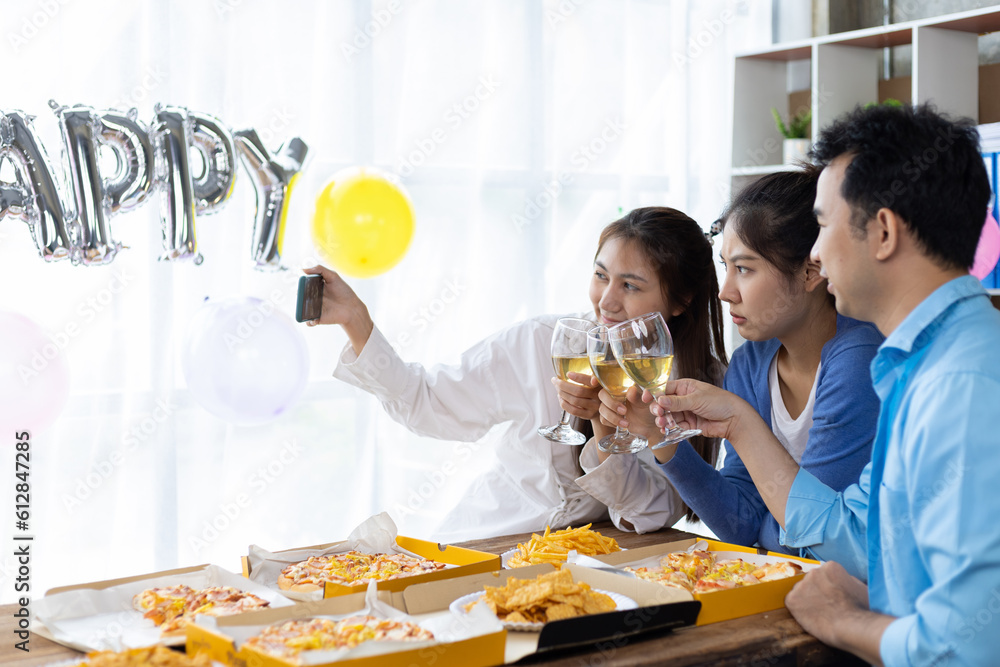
[920, 164]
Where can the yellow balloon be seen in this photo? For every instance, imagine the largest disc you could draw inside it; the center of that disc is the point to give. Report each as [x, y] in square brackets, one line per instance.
[363, 222]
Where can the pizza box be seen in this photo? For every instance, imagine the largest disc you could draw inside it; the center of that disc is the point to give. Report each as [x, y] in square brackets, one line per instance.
[466, 561]
[99, 615]
[726, 604]
[218, 637]
[658, 609]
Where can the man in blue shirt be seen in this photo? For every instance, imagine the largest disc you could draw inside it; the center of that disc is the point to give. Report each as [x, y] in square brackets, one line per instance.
[901, 204]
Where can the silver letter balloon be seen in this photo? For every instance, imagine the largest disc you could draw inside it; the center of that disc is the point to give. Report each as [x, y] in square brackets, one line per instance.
[76, 224]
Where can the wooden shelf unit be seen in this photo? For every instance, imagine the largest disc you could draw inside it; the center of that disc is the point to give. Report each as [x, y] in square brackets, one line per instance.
[845, 71]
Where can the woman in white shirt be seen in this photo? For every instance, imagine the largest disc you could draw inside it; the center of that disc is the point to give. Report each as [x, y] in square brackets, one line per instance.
[652, 259]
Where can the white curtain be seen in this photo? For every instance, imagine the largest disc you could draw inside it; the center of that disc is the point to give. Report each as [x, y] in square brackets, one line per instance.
[518, 127]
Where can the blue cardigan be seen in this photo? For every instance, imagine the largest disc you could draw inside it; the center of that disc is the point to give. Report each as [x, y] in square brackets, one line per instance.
[844, 416]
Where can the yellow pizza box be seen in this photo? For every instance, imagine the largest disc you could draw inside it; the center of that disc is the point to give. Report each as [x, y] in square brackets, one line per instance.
[215, 637]
[725, 604]
[657, 609]
[99, 615]
[467, 561]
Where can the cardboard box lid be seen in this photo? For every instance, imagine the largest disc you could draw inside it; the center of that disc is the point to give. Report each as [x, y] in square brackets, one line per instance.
[108, 583]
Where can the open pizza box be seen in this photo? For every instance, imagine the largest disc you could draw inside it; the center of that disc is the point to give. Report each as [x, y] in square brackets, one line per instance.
[375, 535]
[100, 616]
[725, 604]
[657, 609]
[477, 641]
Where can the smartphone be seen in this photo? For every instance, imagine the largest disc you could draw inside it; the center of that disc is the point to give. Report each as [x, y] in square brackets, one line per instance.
[309, 304]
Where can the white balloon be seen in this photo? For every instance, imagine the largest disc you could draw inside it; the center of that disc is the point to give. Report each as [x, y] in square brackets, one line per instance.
[244, 361]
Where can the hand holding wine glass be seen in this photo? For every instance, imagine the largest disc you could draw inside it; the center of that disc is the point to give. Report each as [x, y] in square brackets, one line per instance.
[645, 350]
[614, 380]
[569, 355]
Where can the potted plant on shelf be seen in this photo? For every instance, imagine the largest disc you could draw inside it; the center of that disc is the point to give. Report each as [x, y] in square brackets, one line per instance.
[796, 145]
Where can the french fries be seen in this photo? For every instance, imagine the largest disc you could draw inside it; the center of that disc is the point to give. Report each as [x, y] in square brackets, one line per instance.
[552, 547]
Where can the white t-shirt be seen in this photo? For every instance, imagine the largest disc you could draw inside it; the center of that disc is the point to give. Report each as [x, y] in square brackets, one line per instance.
[793, 434]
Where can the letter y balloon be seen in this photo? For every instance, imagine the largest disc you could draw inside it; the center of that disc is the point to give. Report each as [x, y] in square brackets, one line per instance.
[272, 177]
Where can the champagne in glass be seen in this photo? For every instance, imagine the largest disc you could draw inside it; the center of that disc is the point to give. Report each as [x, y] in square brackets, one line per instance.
[569, 355]
[576, 363]
[616, 381]
[650, 372]
[645, 349]
[613, 378]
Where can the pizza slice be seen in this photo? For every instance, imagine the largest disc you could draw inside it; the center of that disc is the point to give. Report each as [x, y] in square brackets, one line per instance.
[664, 576]
[290, 639]
[352, 567]
[163, 603]
[173, 608]
[695, 564]
[394, 566]
[155, 656]
[775, 571]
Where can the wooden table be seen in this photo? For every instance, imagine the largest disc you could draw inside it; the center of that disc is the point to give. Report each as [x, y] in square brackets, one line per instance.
[771, 639]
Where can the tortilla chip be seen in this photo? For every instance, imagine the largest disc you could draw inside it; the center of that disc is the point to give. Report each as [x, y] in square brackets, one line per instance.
[517, 617]
[597, 603]
[560, 611]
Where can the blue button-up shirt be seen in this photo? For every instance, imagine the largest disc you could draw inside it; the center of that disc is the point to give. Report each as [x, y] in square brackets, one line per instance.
[928, 539]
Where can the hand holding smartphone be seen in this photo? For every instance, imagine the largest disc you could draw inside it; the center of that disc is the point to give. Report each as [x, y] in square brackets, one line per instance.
[309, 303]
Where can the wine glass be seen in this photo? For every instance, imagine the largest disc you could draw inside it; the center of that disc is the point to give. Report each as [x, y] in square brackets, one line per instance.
[613, 378]
[644, 348]
[569, 355]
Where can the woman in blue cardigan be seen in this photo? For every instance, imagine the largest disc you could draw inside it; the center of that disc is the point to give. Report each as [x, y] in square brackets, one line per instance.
[804, 367]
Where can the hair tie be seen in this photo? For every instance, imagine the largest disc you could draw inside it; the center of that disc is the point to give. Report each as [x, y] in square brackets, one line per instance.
[714, 230]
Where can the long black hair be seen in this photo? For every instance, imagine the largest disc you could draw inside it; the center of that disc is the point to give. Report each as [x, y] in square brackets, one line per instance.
[681, 255]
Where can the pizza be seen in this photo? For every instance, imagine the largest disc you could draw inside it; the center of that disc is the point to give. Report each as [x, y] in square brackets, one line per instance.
[700, 572]
[289, 639]
[173, 608]
[352, 567]
[150, 656]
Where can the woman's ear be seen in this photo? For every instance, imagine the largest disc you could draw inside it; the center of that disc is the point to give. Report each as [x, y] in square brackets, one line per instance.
[812, 277]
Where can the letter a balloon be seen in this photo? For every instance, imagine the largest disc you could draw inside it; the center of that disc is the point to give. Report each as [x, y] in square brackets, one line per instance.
[363, 222]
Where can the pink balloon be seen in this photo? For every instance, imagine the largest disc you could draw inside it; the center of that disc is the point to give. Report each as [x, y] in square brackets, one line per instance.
[34, 378]
[244, 361]
[988, 250]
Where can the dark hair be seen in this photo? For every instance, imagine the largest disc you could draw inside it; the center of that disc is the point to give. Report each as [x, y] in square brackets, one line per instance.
[774, 217]
[923, 166]
[682, 258]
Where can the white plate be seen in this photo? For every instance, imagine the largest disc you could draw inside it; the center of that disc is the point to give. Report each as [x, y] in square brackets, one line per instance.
[457, 607]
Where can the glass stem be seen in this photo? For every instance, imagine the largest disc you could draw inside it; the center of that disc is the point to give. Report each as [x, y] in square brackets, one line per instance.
[564, 420]
[669, 419]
